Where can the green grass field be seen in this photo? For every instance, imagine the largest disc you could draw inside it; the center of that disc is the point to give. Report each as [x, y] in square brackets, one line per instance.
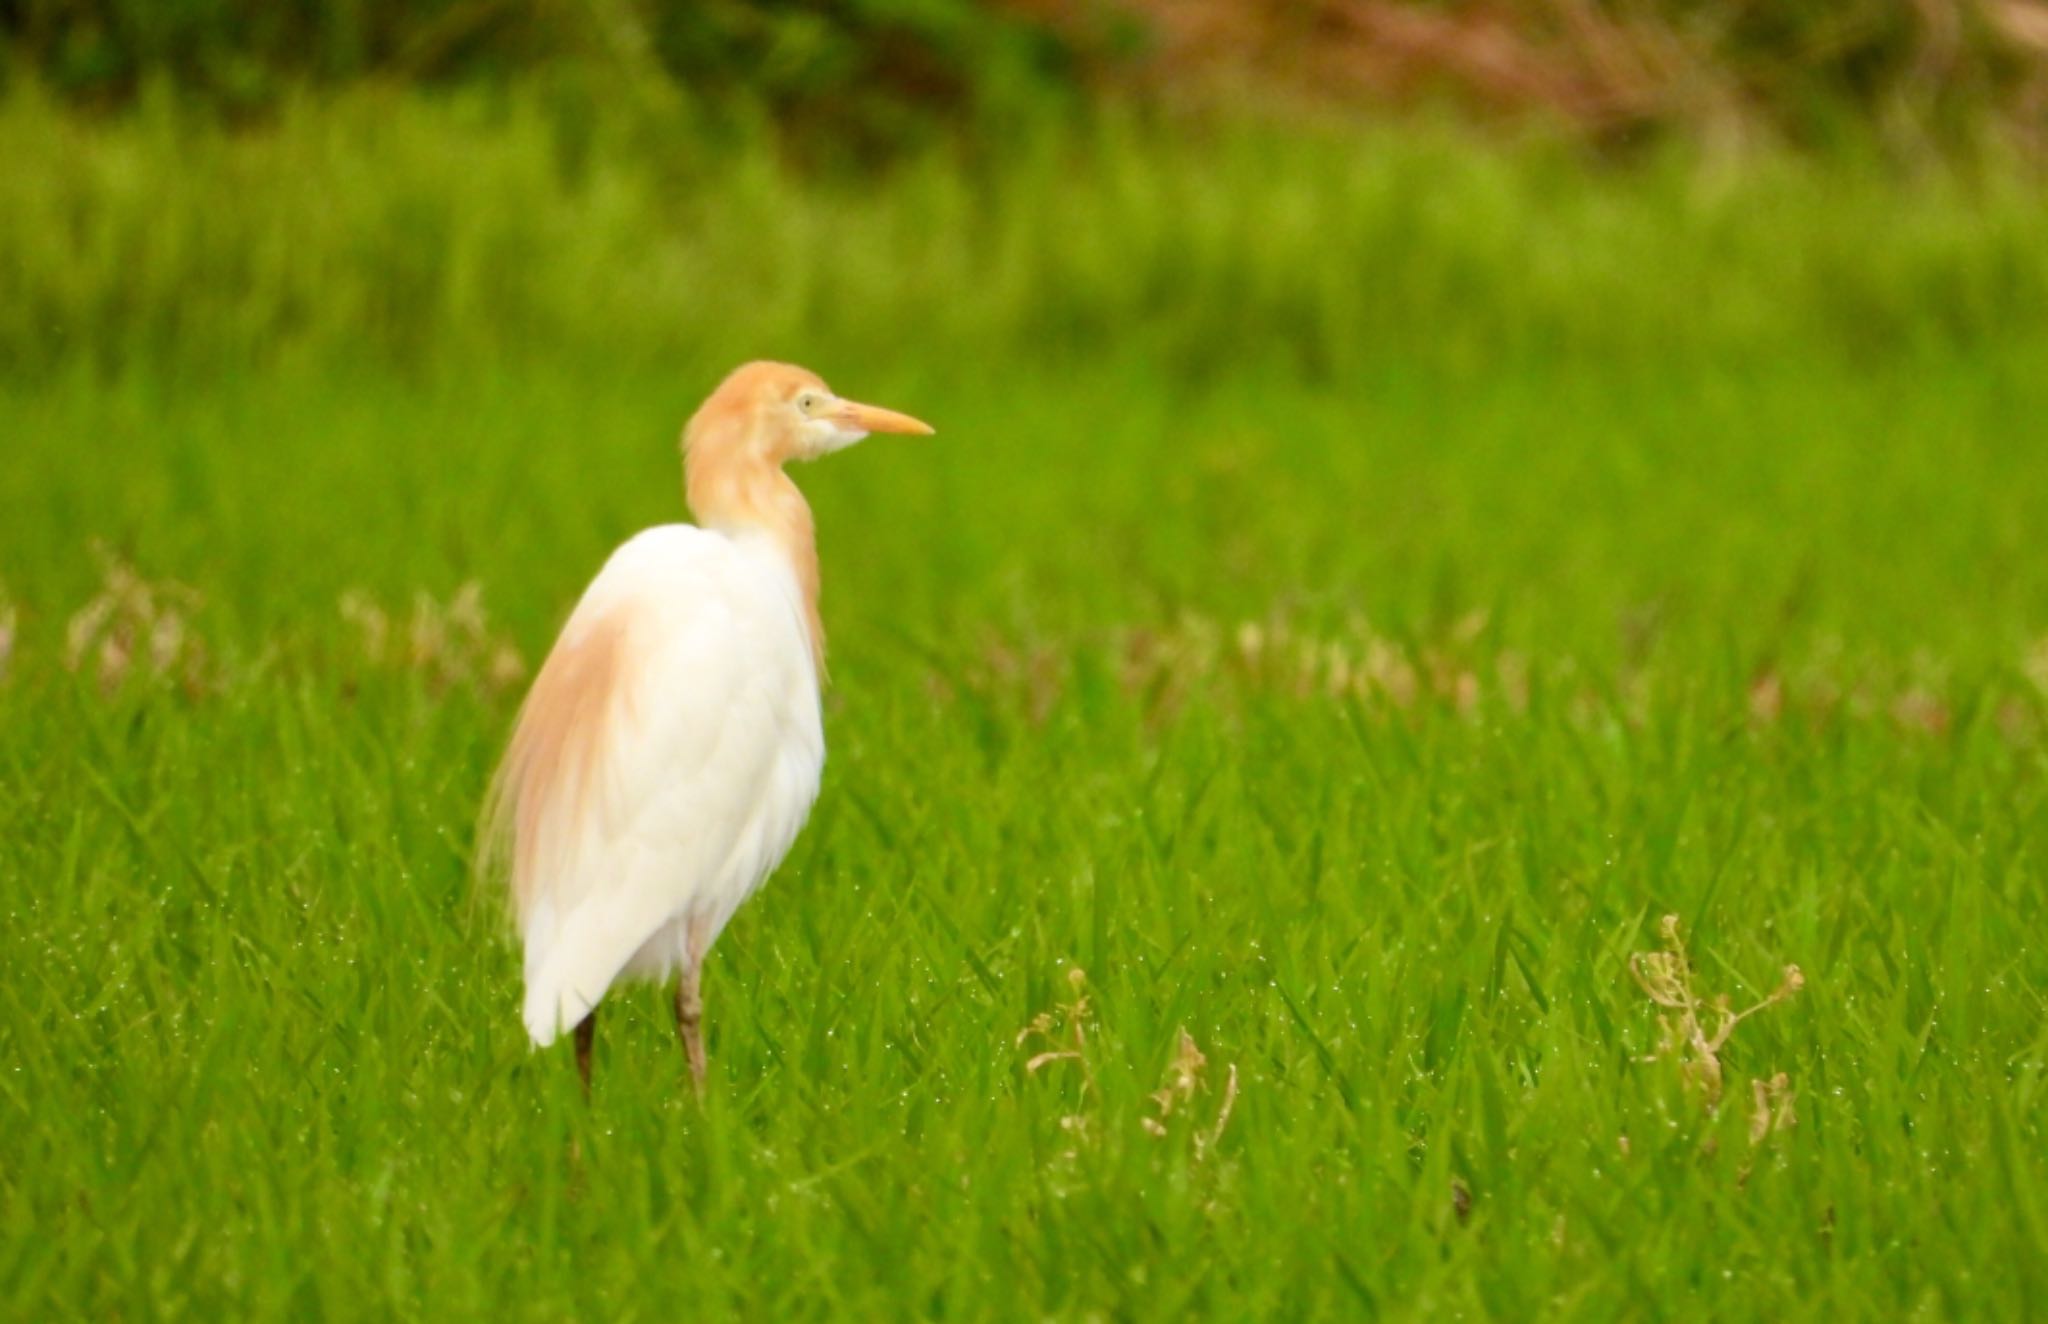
[1359, 587]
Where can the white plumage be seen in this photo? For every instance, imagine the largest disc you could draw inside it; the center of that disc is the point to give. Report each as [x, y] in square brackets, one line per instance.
[708, 764]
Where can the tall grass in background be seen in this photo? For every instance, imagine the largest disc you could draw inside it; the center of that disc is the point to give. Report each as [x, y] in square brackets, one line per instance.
[414, 230]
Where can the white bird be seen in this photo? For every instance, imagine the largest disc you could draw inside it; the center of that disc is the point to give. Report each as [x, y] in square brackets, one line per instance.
[669, 751]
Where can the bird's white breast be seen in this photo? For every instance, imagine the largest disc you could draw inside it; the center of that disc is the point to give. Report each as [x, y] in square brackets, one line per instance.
[704, 761]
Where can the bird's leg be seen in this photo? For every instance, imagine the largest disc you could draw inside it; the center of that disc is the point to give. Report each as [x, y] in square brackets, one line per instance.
[690, 1023]
[690, 1000]
[586, 1035]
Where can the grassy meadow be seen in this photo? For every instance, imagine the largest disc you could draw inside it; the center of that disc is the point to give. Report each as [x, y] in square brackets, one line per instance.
[1364, 580]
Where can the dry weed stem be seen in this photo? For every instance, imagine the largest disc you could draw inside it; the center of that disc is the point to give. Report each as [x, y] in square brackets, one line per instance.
[1683, 1035]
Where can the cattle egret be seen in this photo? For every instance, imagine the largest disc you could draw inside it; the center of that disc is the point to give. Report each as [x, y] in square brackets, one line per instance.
[670, 748]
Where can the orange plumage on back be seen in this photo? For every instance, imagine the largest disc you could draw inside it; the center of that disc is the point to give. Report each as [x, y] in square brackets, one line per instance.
[551, 765]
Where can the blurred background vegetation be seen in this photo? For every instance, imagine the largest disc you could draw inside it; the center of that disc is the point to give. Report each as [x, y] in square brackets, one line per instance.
[668, 180]
[882, 72]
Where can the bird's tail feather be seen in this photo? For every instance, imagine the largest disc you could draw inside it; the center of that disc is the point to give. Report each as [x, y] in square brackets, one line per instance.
[568, 986]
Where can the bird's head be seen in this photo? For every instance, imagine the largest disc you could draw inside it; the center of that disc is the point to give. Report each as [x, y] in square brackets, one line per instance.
[775, 412]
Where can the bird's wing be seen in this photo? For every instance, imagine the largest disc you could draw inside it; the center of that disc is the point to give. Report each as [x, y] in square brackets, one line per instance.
[653, 743]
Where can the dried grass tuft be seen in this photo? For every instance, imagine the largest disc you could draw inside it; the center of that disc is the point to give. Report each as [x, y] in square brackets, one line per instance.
[134, 627]
[1693, 1031]
[1062, 1035]
[1184, 1080]
[1666, 977]
[447, 644]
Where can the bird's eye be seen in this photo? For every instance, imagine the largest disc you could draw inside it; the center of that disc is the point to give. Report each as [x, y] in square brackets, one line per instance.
[807, 402]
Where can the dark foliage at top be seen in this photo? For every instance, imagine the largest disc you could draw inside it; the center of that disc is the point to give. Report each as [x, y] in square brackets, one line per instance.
[883, 73]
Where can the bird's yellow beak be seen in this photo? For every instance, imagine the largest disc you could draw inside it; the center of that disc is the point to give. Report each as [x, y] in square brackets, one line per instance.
[874, 418]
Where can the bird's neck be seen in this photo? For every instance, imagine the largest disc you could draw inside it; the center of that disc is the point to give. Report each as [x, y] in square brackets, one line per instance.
[760, 499]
